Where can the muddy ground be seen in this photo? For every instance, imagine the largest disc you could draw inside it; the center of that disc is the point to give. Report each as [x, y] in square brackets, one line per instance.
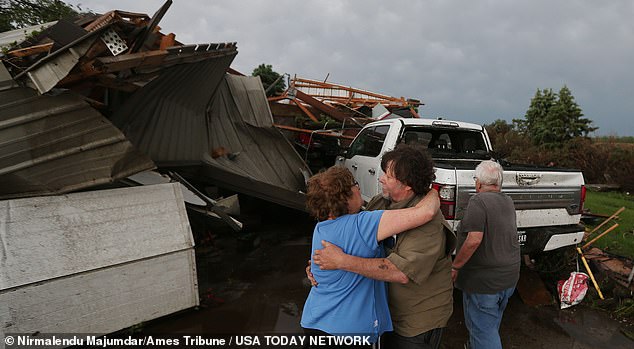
[253, 282]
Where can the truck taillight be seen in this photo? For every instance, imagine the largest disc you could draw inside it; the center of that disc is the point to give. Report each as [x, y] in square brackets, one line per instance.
[447, 194]
[583, 198]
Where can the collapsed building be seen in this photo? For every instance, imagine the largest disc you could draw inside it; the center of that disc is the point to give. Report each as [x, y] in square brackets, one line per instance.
[93, 105]
[124, 98]
[90, 106]
[322, 117]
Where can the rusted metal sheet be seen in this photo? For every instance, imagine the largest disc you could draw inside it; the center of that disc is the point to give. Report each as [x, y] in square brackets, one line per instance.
[56, 144]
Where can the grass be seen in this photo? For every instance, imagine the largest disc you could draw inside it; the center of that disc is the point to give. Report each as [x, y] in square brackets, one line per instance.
[619, 241]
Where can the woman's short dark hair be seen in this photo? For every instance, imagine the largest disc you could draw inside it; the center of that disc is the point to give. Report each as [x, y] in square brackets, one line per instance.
[412, 165]
[328, 193]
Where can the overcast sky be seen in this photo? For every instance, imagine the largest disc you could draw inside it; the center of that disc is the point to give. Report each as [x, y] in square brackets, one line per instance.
[474, 61]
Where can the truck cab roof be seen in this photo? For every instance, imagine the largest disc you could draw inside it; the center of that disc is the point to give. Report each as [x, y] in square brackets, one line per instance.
[430, 122]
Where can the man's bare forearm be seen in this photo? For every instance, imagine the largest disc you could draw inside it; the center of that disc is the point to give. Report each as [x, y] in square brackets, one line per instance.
[374, 268]
[469, 247]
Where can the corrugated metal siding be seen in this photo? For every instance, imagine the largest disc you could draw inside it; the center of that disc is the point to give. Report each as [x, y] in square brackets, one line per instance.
[241, 122]
[190, 110]
[167, 117]
[58, 143]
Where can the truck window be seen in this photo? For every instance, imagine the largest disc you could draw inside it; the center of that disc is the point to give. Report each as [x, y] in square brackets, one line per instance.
[369, 142]
[442, 141]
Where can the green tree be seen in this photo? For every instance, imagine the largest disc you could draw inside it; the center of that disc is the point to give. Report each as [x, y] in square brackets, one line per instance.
[270, 77]
[552, 119]
[508, 143]
[567, 110]
[15, 14]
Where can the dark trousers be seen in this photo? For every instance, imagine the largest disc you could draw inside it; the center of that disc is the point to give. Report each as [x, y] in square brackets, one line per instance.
[426, 340]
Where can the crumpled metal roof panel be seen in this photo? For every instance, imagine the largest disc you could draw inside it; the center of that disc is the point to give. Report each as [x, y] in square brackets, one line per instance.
[193, 110]
[52, 144]
[255, 158]
[166, 118]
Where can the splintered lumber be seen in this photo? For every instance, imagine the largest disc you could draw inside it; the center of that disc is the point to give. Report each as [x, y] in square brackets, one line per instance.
[609, 219]
[28, 51]
[600, 236]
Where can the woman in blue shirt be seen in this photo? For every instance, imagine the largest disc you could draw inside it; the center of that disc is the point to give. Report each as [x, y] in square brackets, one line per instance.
[346, 303]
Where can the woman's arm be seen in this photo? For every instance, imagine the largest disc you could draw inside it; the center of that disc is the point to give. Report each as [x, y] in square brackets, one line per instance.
[397, 221]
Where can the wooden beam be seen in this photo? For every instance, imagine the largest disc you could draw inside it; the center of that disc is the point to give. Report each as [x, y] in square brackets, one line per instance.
[28, 51]
[600, 235]
[317, 104]
[609, 219]
[305, 110]
[131, 60]
[168, 41]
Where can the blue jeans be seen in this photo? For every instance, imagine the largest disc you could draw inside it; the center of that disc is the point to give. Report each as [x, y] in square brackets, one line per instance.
[483, 315]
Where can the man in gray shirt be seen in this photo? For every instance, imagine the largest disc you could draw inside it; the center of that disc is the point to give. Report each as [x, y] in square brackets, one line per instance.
[487, 265]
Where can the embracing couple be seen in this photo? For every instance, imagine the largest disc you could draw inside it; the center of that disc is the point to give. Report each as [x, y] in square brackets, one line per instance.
[402, 241]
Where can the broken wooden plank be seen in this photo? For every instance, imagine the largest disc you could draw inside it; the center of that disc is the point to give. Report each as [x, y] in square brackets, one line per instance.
[609, 219]
[305, 110]
[600, 236]
[132, 60]
[32, 50]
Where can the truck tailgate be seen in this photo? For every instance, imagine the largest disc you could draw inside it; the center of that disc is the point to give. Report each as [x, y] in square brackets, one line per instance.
[542, 197]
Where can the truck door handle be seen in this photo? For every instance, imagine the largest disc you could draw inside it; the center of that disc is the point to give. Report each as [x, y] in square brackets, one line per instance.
[355, 167]
[372, 171]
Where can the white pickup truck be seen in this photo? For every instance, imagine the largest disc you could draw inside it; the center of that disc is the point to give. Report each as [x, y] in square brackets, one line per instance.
[548, 201]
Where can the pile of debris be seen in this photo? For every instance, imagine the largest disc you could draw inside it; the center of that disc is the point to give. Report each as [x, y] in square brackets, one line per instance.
[323, 117]
[94, 100]
[107, 110]
[88, 107]
[617, 268]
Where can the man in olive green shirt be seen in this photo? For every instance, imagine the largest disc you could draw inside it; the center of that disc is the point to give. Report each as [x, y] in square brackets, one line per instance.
[418, 266]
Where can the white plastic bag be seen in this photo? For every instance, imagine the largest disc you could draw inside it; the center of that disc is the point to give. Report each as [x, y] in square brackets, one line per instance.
[573, 290]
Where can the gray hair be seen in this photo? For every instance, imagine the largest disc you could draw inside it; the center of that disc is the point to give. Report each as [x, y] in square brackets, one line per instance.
[489, 172]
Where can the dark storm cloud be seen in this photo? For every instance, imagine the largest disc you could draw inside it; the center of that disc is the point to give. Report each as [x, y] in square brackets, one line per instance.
[475, 61]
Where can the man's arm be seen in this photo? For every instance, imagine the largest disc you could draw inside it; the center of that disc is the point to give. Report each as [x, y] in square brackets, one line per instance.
[331, 257]
[397, 221]
[471, 243]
